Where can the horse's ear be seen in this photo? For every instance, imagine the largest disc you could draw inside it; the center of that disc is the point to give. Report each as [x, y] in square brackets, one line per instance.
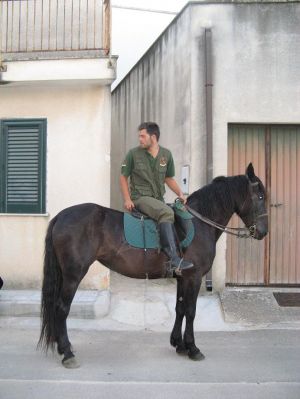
[250, 171]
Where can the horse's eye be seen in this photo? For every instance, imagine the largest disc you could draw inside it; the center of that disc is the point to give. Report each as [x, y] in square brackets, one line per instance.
[260, 197]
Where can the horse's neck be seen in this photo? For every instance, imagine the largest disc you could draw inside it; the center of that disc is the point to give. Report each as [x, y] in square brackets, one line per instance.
[219, 210]
[223, 220]
[219, 203]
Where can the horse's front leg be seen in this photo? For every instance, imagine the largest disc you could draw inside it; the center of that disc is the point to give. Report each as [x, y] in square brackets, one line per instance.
[176, 335]
[191, 291]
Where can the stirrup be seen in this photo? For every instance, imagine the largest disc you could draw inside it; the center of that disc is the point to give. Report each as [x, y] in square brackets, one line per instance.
[170, 270]
[178, 268]
[178, 271]
[188, 264]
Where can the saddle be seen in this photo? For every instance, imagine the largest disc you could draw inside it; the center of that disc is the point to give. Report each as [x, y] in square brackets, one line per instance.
[142, 232]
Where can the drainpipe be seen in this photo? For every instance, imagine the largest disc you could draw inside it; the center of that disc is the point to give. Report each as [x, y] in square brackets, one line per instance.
[209, 122]
[3, 68]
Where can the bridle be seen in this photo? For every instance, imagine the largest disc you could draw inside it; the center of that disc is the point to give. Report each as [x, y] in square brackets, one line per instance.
[240, 232]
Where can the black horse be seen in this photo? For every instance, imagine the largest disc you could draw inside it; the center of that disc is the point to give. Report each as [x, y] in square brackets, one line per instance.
[81, 234]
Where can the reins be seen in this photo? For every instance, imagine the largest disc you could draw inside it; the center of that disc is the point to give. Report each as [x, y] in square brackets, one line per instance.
[240, 232]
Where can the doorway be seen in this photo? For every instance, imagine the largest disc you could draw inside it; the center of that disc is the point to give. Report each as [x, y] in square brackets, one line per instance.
[274, 151]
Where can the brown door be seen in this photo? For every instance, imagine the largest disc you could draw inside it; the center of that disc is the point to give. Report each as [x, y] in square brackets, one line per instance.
[285, 205]
[245, 258]
[275, 154]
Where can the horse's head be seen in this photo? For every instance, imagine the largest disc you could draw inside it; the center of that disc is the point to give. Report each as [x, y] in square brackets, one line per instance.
[253, 210]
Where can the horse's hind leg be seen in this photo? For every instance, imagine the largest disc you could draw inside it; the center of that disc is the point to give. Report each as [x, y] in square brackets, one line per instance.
[176, 335]
[64, 347]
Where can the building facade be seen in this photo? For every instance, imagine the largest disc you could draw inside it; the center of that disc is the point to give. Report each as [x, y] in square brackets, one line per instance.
[222, 81]
[55, 117]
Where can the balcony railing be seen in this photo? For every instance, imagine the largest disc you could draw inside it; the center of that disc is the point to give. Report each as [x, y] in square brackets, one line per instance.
[54, 25]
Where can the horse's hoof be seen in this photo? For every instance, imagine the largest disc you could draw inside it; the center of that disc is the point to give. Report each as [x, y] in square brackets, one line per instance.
[70, 363]
[196, 355]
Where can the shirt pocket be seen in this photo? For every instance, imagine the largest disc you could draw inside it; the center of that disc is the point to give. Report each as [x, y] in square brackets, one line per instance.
[140, 165]
[162, 169]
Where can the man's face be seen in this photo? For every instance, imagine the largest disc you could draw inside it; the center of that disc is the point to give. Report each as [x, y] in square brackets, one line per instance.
[145, 139]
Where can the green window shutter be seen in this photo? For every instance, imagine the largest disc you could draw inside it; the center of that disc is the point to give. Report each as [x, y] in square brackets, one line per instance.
[23, 171]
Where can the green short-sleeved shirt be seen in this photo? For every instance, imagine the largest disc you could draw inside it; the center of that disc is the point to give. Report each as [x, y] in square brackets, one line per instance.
[148, 174]
[128, 164]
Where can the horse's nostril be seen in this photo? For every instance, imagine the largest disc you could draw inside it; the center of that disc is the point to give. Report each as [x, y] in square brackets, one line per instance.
[261, 234]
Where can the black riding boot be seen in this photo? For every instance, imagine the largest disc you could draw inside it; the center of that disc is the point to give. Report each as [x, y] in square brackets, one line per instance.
[168, 244]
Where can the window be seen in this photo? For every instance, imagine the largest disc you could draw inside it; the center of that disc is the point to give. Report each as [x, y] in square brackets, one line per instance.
[23, 166]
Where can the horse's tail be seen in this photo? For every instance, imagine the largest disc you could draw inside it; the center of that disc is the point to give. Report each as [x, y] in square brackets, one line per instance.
[52, 283]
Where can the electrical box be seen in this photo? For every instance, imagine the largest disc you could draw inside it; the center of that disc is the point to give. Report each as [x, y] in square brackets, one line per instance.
[185, 179]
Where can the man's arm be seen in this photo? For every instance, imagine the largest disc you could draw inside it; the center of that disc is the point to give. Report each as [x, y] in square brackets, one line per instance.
[128, 204]
[172, 184]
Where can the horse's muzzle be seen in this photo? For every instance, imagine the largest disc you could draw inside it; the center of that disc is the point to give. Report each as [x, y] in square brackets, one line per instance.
[259, 229]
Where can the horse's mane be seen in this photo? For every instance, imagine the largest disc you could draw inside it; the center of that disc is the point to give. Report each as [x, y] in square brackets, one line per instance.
[219, 194]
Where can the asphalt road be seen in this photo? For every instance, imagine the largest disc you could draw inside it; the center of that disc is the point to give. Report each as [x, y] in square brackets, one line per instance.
[142, 364]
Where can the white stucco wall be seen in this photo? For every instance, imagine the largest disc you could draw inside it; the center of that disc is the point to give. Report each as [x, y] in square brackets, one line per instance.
[78, 170]
[256, 79]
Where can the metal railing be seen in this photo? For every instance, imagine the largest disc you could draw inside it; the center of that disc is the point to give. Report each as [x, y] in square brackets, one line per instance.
[54, 25]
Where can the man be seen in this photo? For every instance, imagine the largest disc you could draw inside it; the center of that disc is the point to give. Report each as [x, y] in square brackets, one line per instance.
[150, 167]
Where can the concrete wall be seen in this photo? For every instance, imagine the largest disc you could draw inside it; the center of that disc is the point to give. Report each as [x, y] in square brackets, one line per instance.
[150, 92]
[256, 77]
[78, 170]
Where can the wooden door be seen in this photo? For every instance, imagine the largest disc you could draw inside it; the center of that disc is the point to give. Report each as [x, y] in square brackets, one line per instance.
[245, 258]
[275, 154]
[285, 205]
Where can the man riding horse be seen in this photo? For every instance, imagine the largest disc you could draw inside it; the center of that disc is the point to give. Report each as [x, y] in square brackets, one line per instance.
[149, 167]
[81, 234]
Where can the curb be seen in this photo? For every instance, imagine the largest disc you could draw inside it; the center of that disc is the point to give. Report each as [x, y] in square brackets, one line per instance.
[25, 303]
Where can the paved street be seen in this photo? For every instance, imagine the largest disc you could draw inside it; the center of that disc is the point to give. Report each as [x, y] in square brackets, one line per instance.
[121, 364]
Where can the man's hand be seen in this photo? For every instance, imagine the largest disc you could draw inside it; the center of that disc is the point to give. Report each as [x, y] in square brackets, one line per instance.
[182, 198]
[128, 205]
[172, 184]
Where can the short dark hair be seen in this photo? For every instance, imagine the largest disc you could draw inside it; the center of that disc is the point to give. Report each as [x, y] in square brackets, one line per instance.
[151, 127]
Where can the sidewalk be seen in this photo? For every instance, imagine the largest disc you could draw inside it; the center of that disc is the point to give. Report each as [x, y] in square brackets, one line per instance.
[139, 305]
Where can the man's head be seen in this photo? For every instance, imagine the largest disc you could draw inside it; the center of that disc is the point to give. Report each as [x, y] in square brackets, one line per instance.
[148, 134]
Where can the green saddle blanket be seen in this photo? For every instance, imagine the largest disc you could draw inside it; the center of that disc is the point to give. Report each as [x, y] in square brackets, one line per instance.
[143, 233]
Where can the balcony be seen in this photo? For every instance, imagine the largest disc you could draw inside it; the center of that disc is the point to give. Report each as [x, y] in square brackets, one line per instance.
[40, 26]
[49, 30]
